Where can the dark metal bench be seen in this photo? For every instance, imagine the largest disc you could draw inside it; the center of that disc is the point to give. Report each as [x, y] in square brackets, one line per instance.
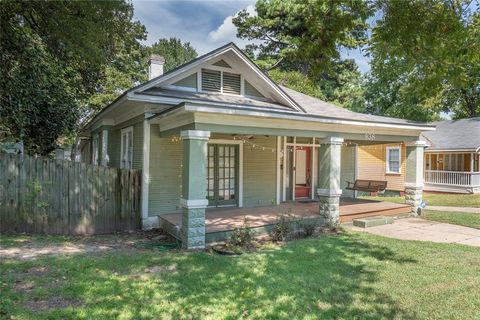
[367, 185]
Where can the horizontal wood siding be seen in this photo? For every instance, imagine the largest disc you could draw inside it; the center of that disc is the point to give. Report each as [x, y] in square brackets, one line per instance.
[165, 174]
[41, 195]
[372, 166]
[114, 145]
[347, 169]
[259, 172]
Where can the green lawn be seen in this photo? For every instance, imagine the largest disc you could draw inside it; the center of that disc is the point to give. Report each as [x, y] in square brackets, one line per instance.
[432, 199]
[461, 218]
[353, 275]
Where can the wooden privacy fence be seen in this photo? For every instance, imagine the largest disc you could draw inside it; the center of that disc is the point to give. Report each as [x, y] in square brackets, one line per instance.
[40, 195]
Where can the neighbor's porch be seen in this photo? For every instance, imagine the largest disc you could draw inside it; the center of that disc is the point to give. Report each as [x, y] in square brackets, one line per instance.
[457, 172]
[220, 221]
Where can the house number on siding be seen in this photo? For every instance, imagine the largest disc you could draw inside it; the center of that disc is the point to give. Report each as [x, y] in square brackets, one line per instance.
[370, 136]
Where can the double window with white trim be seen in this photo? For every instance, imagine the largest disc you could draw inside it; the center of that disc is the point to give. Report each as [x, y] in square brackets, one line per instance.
[394, 162]
[126, 154]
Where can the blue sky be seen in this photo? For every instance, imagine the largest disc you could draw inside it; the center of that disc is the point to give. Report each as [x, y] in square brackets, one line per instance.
[206, 24]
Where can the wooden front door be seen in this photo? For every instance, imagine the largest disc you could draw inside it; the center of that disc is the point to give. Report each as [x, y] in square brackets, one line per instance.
[302, 172]
[222, 173]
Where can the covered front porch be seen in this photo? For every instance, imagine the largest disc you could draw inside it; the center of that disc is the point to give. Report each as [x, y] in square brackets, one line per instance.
[231, 166]
[220, 221]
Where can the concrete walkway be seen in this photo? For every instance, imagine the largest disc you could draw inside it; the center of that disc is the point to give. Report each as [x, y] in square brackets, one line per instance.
[454, 209]
[424, 230]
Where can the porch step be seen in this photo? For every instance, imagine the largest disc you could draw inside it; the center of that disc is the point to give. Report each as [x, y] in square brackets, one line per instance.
[372, 221]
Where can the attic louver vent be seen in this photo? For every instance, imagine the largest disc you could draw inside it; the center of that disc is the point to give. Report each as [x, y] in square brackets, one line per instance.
[211, 80]
[231, 83]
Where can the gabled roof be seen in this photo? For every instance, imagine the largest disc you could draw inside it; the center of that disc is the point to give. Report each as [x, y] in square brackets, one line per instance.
[317, 107]
[455, 135]
[230, 48]
[287, 101]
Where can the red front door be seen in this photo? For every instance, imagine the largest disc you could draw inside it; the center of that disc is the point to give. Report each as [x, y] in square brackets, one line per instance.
[302, 172]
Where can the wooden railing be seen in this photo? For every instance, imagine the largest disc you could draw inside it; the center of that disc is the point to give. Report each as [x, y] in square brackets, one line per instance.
[454, 178]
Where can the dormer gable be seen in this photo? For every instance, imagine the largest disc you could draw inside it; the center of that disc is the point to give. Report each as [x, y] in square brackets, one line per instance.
[225, 71]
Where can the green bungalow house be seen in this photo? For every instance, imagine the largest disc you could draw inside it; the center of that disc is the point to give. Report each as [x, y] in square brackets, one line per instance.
[217, 132]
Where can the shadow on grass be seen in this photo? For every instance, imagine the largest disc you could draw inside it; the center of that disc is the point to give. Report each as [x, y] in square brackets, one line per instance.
[328, 278]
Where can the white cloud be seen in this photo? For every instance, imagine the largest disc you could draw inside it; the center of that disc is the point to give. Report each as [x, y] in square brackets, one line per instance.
[227, 31]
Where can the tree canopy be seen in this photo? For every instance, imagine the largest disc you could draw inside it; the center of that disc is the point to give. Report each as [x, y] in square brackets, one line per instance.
[300, 43]
[129, 67]
[425, 59]
[425, 53]
[50, 66]
[308, 34]
[57, 72]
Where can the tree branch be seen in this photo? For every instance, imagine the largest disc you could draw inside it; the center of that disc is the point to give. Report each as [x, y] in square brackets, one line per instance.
[275, 64]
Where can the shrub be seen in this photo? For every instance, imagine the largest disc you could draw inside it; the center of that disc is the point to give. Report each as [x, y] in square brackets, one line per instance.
[242, 237]
[282, 228]
[308, 226]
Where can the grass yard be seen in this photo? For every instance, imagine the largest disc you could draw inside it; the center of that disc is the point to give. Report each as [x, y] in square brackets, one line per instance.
[434, 199]
[352, 275]
[461, 218]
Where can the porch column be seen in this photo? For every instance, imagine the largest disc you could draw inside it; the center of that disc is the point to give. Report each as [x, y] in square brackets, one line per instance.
[329, 190]
[194, 188]
[414, 175]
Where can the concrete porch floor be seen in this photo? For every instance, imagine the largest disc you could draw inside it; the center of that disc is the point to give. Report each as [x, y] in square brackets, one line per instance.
[228, 218]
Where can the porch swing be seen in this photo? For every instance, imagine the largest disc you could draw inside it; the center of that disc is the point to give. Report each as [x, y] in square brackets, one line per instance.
[367, 186]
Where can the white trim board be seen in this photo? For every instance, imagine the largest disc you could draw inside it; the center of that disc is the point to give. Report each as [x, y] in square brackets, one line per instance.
[278, 171]
[145, 168]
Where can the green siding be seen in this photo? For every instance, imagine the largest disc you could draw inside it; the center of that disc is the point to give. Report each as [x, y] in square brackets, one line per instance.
[189, 82]
[114, 142]
[347, 169]
[114, 148]
[259, 172]
[165, 174]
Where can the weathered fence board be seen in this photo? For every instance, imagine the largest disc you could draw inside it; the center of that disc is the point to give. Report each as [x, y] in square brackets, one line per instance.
[40, 195]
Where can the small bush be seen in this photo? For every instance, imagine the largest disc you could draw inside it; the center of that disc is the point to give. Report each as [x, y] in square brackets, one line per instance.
[308, 226]
[282, 229]
[242, 237]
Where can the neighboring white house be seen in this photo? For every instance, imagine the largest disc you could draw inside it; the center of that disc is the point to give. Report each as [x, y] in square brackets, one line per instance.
[452, 156]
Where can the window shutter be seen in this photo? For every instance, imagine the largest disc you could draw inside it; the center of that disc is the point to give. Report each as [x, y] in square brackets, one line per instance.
[231, 83]
[211, 80]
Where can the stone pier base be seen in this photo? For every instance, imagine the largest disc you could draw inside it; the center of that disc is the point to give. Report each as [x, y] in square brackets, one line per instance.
[193, 228]
[413, 197]
[330, 211]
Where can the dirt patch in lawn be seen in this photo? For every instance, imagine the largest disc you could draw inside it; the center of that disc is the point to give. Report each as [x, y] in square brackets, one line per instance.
[31, 249]
[52, 303]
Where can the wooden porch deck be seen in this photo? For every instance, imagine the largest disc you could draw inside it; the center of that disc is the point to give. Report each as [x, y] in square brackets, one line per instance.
[226, 219]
